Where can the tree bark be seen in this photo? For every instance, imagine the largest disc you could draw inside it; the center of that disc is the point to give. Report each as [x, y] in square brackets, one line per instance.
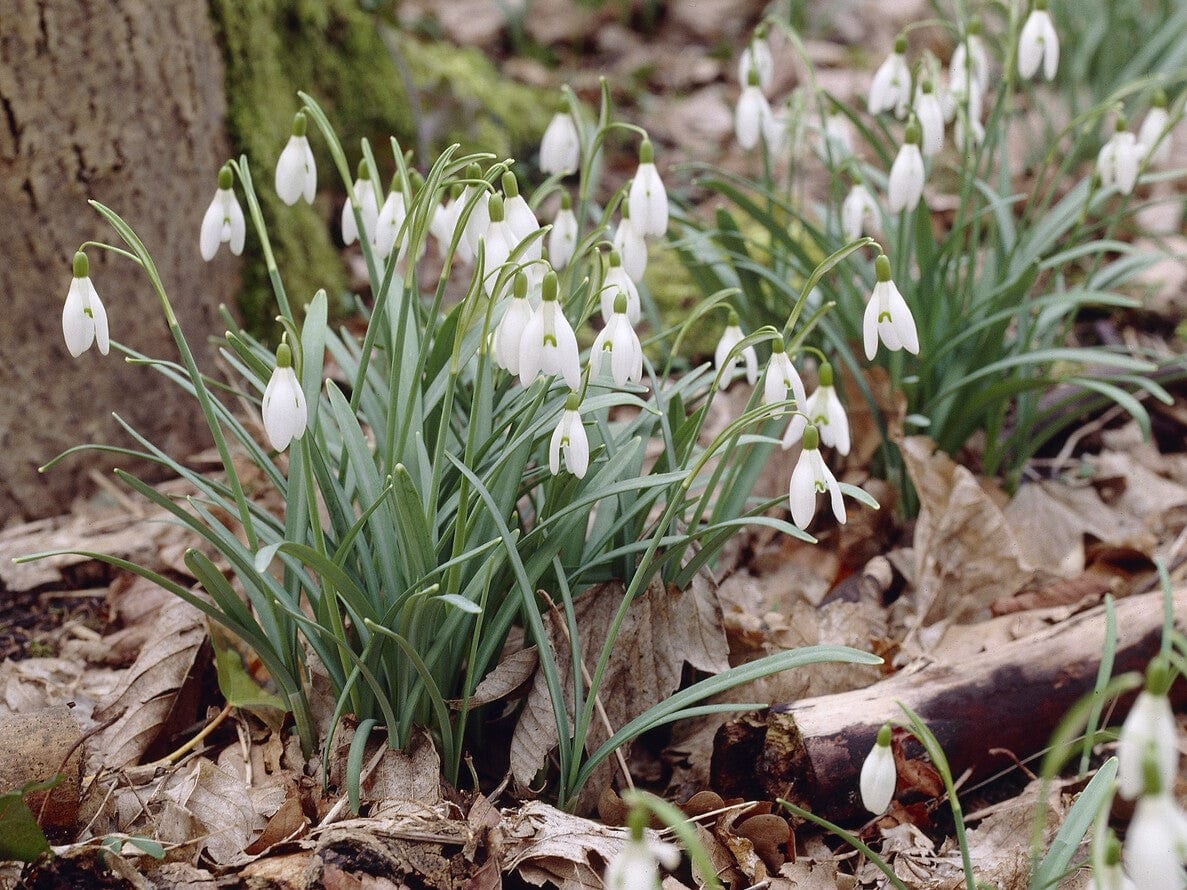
[121, 102]
[1001, 703]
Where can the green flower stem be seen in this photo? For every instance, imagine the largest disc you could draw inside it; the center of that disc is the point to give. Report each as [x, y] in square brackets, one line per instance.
[200, 391]
[932, 745]
[257, 220]
[851, 839]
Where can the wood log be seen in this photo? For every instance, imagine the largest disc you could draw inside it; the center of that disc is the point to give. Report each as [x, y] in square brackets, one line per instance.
[1009, 700]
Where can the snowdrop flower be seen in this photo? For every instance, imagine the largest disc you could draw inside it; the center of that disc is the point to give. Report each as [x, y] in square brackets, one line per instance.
[84, 320]
[1154, 133]
[810, 478]
[391, 217]
[1148, 733]
[560, 148]
[465, 252]
[615, 282]
[1120, 159]
[570, 441]
[970, 59]
[562, 238]
[1107, 873]
[520, 217]
[930, 115]
[636, 866]
[363, 197]
[890, 89]
[1156, 842]
[1038, 44]
[499, 240]
[549, 345]
[837, 135]
[444, 219]
[782, 377]
[752, 117]
[905, 186]
[296, 172]
[825, 411]
[223, 222]
[878, 775]
[648, 199]
[619, 339]
[756, 57]
[283, 408]
[859, 212]
[731, 337]
[479, 217]
[887, 315]
[509, 331]
[629, 243]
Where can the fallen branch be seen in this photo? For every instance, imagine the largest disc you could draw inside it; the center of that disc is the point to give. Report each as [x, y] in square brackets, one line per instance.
[1004, 702]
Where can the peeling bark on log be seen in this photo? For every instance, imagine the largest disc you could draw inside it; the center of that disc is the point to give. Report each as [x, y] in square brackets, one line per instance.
[121, 102]
[1011, 699]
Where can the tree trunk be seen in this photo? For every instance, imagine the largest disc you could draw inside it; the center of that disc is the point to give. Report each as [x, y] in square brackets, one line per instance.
[121, 102]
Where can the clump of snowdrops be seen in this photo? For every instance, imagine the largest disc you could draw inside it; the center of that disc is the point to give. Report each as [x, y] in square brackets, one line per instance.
[994, 245]
[465, 455]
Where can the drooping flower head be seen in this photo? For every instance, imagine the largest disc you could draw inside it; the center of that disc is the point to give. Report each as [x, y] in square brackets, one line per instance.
[636, 866]
[296, 171]
[859, 212]
[890, 89]
[726, 364]
[812, 477]
[752, 117]
[549, 345]
[970, 61]
[283, 408]
[362, 197]
[905, 185]
[629, 243]
[757, 58]
[1038, 44]
[519, 216]
[499, 242]
[648, 198]
[825, 411]
[1155, 132]
[560, 148]
[1120, 159]
[569, 441]
[930, 115]
[616, 282]
[1156, 841]
[1149, 734]
[782, 378]
[223, 221]
[391, 218]
[84, 320]
[618, 342]
[509, 331]
[878, 774]
[562, 238]
[887, 316]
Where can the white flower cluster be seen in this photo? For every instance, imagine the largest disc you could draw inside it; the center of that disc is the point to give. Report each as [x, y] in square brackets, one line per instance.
[1155, 848]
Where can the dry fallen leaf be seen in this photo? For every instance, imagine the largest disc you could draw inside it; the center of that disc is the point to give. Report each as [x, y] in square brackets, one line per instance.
[546, 845]
[966, 553]
[663, 629]
[220, 803]
[145, 698]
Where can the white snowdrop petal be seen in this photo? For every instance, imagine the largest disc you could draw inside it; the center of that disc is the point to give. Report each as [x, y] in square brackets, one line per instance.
[878, 778]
